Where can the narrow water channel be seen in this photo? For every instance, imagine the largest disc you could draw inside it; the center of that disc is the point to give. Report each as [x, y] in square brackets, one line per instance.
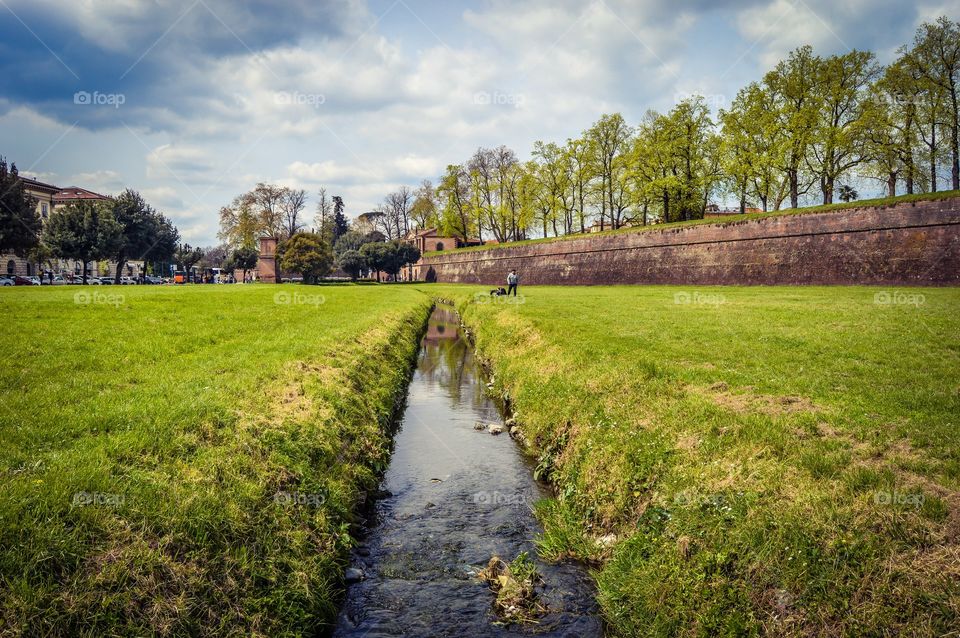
[455, 497]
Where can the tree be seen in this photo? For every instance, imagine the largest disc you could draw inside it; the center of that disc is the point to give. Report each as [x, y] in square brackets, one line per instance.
[144, 233]
[340, 223]
[351, 240]
[936, 58]
[423, 211]
[848, 193]
[581, 175]
[456, 213]
[793, 84]
[309, 255]
[389, 257]
[892, 135]
[406, 254]
[353, 263]
[239, 224]
[292, 203]
[268, 202]
[243, 258]
[19, 223]
[395, 222]
[83, 230]
[608, 140]
[323, 220]
[839, 133]
[186, 257]
[379, 256]
[214, 257]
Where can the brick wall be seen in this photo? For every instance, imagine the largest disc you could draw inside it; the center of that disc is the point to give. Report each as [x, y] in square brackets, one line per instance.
[910, 243]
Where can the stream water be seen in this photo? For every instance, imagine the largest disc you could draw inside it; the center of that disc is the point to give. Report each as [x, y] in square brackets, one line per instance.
[455, 497]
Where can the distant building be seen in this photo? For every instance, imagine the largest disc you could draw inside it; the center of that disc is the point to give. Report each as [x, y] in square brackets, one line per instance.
[430, 240]
[48, 198]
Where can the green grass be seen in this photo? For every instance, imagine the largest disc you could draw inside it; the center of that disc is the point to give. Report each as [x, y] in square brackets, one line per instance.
[756, 461]
[880, 201]
[759, 461]
[153, 438]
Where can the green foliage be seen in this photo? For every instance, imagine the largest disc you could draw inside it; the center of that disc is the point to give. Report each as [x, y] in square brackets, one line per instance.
[149, 476]
[187, 256]
[350, 240]
[389, 257]
[773, 463]
[353, 263]
[340, 223]
[144, 233]
[243, 258]
[84, 230]
[19, 221]
[309, 255]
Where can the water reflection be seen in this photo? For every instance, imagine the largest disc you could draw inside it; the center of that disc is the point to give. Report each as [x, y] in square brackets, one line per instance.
[457, 497]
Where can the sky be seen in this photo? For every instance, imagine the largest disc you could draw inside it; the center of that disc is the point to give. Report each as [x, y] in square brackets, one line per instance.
[192, 102]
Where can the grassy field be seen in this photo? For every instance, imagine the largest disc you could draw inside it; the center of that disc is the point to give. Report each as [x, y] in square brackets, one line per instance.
[187, 460]
[734, 461]
[743, 461]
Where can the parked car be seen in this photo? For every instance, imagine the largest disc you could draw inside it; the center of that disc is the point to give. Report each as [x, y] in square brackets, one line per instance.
[36, 280]
[152, 280]
[105, 281]
[6, 281]
[22, 281]
[128, 281]
[58, 280]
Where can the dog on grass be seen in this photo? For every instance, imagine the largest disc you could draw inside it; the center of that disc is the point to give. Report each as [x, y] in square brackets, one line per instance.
[498, 292]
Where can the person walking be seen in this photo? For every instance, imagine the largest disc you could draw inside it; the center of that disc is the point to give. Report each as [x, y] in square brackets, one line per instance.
[512, 281]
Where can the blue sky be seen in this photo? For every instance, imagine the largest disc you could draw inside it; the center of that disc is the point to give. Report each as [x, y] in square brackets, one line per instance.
[192, 102]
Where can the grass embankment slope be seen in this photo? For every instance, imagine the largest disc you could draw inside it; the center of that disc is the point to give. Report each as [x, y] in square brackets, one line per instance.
[152, 449]
[776, 461]
[823, 208]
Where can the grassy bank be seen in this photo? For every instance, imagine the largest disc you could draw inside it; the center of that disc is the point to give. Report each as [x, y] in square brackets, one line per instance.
[743, 461]
[823, 208]
[187, 460]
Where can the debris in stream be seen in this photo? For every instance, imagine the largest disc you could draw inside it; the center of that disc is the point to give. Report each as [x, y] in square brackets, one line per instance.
[353, 575]
[515, 585]
[495, 428]
[478, 426]
[436, 480]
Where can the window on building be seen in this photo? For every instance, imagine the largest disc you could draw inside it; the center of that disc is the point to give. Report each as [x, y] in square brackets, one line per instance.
[439, 245]
[11, 266]
[43, 210]
[29, 269]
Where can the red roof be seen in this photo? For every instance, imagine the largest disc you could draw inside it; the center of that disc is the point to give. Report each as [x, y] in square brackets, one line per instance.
[74, 193]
